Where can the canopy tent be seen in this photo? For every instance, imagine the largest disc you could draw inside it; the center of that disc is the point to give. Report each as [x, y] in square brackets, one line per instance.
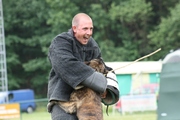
[169, 92]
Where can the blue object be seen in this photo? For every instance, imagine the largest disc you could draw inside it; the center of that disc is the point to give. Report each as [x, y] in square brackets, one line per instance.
[24, 97]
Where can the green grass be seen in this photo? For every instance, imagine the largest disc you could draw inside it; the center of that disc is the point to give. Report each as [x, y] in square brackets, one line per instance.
[133, 116]
[36, 116]
[43, 115]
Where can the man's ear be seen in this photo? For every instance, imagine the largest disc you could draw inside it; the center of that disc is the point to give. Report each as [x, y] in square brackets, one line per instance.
[74, 29]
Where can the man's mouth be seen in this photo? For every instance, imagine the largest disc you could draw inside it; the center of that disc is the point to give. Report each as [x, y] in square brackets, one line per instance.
[86, 37]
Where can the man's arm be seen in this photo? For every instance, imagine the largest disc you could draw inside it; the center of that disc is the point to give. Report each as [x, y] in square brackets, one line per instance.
[97, 82]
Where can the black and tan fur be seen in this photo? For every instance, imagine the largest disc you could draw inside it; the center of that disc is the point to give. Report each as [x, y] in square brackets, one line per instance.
[85, 102]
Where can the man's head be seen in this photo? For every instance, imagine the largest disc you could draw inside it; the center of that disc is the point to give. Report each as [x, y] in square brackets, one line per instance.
[82, 26]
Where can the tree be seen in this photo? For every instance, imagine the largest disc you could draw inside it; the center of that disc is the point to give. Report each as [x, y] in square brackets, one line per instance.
[27, 36]
[124, 29]
[166, 35]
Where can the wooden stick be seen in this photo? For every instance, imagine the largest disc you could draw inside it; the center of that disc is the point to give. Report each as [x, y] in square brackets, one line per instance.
[137, 60]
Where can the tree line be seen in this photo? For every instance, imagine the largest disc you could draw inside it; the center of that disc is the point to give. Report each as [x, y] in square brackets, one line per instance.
[124, 29]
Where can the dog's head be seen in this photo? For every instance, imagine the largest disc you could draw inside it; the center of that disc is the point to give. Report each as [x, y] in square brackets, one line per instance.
[98, 65]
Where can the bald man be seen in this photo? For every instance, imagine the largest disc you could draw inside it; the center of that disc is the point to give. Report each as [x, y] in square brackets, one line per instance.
[67, 54]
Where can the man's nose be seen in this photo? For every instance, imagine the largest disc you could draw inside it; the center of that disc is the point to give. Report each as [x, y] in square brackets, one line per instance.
[89, 31]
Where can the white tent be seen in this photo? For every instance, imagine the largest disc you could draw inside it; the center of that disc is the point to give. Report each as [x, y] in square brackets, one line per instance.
[142, 66]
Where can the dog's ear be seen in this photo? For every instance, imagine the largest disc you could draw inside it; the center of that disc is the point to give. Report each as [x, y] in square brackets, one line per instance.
[100, 61]
[87, 62]
[97, 60]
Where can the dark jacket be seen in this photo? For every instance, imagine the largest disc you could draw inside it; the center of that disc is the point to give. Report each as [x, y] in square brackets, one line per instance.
[67, 58]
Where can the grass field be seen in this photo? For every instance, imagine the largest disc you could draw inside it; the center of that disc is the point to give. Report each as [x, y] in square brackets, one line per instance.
[43, 115]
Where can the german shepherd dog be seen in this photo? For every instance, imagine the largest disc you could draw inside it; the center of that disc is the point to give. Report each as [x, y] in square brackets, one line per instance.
[85, 102]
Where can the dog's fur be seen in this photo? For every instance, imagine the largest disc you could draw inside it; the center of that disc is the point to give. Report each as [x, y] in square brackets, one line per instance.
[85, 102]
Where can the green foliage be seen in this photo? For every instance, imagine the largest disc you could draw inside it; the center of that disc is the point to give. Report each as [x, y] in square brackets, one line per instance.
[133, 17]
[131, 10]
[167, 34]
[61, 14]
[27, 36]
[124, 29]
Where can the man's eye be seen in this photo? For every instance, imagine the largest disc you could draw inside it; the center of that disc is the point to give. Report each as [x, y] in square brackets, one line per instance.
[85, 28]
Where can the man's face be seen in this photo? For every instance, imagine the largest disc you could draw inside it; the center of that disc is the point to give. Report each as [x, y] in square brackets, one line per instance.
[83, 31]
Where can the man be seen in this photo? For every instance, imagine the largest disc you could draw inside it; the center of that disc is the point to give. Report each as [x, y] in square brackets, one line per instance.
[67, 54]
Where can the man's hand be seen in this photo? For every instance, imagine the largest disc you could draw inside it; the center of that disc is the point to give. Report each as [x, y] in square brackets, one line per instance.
[103, 95]
[111, 96]
[50, 105]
